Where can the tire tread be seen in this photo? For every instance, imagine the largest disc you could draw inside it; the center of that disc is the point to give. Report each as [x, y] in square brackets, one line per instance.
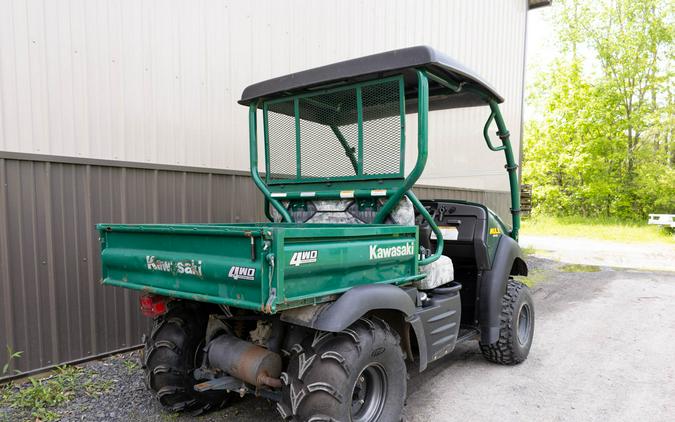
[307, 392]
[167, 364]
[503, 351]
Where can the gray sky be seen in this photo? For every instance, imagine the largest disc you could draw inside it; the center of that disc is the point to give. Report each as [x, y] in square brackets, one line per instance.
[541, 48]
[540, 37]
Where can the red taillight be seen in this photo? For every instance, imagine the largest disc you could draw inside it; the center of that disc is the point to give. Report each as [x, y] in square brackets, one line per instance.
[153, 305]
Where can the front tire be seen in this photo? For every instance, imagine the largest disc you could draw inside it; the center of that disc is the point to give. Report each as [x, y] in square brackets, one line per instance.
[356, 375]
[516, 327]
[171, 353]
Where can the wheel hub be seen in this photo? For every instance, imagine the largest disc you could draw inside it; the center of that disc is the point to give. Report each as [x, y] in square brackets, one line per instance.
[524, 322]
[369, 394]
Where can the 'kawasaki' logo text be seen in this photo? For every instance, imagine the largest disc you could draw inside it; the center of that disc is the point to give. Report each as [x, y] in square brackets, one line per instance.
[376, 252]
[190, 267]
[304, 257]
[244, 273]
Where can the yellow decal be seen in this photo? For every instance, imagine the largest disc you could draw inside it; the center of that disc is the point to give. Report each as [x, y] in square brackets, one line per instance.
[494, 231]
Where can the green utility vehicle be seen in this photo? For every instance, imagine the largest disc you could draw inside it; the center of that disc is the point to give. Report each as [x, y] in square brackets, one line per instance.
[353, 280]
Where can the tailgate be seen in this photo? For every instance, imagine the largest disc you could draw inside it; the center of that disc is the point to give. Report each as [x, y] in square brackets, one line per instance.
[210, 263]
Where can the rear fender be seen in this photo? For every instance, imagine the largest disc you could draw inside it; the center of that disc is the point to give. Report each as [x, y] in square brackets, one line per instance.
[355, 303]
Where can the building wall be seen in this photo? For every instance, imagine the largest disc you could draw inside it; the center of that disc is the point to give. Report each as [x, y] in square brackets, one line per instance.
[157, 81]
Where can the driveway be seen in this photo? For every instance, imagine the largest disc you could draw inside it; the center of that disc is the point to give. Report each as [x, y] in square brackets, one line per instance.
[603, 351]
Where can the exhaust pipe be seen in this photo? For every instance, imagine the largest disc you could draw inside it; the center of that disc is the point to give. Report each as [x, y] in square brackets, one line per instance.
[246, 361]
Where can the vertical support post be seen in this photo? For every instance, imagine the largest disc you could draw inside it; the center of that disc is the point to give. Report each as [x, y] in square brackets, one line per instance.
[511, 168]
[296, 111]
[401, 96]
[253, 157]
[359, 120]
[266, 138]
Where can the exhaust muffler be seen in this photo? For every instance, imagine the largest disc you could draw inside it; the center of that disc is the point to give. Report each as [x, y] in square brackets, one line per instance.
[246, 361]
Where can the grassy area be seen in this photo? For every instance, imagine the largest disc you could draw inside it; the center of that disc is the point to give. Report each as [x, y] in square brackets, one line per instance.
[535, 276]
[596, 228]
[580, 268]
[39, 396]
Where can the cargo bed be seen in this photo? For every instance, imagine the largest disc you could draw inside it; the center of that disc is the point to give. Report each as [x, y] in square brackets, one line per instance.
[263, 266]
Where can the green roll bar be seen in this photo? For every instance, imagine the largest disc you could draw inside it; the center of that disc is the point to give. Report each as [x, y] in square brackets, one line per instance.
[422, 151]
[422, 148]
[422, 154]
[439, 235]
[253, 156]
[409, 182]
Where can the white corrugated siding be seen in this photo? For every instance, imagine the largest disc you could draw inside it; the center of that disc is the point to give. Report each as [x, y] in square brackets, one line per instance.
[157, 81]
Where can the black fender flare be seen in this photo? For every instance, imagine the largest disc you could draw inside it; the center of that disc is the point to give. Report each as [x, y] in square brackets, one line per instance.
[508, 260]
[355, 303]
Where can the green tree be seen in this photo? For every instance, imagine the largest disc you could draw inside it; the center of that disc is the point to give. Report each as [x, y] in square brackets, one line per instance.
[603, 143]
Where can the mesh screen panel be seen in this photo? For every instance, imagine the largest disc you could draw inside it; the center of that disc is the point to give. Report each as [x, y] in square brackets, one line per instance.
[281, 140]
[328, 124]
[322, 151]
[382, 134]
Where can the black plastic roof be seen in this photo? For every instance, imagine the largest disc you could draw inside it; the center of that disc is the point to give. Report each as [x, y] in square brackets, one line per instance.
[403, 61]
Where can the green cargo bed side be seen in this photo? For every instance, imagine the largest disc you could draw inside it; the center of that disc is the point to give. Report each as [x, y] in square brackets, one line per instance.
[265, 266]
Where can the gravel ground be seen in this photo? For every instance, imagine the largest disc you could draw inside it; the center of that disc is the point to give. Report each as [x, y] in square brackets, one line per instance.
[602, 351]
[127, 399]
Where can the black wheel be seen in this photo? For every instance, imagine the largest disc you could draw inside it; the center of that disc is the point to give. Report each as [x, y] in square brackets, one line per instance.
[357, 375]
[172, 352]
[517, 327]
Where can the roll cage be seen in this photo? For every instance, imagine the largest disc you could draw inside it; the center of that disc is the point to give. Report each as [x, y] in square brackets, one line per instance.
[365, 98]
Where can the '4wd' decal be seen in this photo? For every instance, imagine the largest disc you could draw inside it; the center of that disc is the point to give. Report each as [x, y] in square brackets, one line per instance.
[244, 273]
[303, 257]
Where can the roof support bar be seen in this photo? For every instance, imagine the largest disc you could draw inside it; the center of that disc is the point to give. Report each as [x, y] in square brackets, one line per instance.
[511, 166]
[253, 156]
[453, 86]
[349, 151]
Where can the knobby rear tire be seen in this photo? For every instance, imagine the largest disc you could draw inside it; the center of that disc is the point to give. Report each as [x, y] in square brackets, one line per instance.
[326, 371]
[171, 353]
